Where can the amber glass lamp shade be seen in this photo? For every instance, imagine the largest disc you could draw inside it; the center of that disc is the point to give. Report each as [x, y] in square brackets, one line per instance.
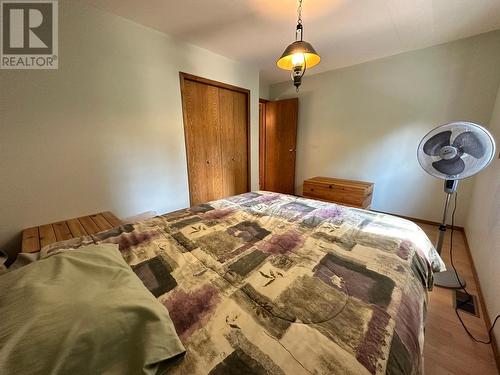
[297, 51]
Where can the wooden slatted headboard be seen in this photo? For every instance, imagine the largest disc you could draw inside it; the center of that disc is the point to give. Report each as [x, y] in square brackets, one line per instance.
[37, 237]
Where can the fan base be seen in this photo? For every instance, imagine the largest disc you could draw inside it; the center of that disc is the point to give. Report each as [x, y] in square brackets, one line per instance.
[448, 279]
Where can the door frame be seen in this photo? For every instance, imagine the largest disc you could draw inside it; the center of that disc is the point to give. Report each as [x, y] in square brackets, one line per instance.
[190, 77]
[262, 143]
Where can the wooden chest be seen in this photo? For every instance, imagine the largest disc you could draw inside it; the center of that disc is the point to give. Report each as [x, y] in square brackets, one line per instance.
[336, 190]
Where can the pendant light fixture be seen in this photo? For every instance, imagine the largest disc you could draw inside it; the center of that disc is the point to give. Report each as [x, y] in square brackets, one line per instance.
[300, 55]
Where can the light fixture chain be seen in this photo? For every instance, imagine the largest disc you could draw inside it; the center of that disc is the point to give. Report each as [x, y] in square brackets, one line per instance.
[299, 13]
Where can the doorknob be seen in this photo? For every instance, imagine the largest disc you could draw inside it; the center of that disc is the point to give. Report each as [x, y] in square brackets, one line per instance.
[291, 150]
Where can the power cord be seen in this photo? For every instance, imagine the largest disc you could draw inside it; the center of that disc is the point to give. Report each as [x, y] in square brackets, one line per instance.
[490, 332]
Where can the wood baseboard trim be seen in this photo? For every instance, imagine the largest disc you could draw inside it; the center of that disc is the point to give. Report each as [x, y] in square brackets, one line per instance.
[484, 309]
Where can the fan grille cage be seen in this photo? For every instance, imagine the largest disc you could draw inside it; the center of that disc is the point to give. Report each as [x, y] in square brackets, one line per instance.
[456, 150]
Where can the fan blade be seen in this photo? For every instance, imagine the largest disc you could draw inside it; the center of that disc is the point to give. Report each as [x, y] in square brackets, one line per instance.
[450, 167]
[436, 142]
[469, 143]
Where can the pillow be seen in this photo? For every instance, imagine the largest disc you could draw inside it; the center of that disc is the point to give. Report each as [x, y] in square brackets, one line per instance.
[82, 312]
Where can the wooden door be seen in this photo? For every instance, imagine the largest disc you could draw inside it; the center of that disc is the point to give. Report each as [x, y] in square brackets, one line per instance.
[216, 130]
[202, 133]
[234, 142]
[280, 138]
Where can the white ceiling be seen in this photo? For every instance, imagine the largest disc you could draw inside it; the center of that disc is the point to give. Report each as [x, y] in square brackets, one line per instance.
[344, 32]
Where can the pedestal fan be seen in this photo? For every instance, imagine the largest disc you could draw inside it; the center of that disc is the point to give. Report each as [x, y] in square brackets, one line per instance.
[453, 152]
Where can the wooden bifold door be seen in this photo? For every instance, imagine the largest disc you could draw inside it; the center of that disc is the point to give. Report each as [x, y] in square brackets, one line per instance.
[216, 130]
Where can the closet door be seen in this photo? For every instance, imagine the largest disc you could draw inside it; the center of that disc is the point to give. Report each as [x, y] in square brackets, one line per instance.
[203, 138]
[234, 141]
[216, 129]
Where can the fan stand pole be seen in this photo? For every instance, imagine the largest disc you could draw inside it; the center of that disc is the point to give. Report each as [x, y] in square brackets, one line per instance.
[448, 278]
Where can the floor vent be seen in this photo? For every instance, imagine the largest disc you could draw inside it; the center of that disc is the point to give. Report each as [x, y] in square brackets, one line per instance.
[466, 303]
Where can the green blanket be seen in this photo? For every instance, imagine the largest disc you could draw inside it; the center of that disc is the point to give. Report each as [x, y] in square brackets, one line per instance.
[82, 312]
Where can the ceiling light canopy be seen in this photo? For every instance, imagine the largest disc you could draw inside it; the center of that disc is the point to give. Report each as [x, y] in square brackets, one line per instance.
[299, 55]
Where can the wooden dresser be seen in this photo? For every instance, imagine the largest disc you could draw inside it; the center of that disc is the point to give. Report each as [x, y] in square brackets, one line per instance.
[346, 192]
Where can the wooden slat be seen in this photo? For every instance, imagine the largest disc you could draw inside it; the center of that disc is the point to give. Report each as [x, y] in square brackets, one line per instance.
[76, 228]
[88, 224]
[112, 219]
[31, 242]
[62, 231]
[47, 235]
[101, 222]
[33, 239]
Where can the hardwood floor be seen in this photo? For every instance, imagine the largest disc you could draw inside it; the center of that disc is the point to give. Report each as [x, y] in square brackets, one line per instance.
[448, 349]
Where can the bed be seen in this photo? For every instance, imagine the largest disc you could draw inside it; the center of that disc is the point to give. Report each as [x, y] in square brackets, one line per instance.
[265, 283]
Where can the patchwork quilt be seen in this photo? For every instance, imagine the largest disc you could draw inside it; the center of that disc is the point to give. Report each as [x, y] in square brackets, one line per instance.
[265, 283]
